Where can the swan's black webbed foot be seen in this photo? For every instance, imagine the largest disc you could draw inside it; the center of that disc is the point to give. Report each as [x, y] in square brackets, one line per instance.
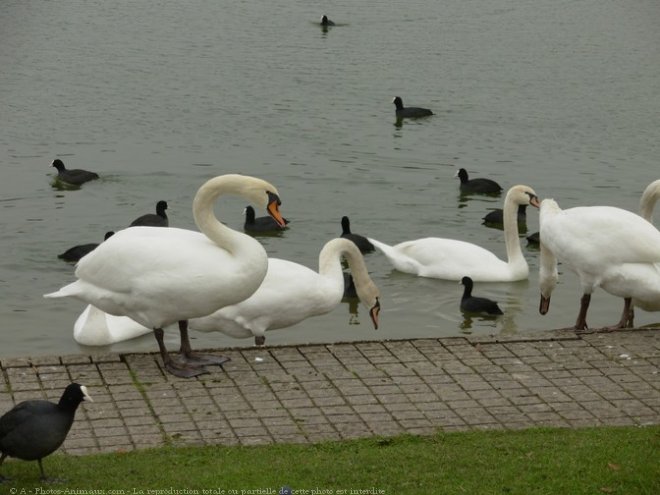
[199, 359]
[259, 340]
[184, 370]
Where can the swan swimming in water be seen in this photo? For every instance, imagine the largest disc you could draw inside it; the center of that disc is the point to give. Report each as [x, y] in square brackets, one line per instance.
[289, 294]
[606, 247]
[160, 276]
[451, 259]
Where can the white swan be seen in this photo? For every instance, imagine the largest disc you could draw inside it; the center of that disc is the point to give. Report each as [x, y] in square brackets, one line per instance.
[291, 293]
[607, 247]
[450, 259]
[160, 276]
[288, 294]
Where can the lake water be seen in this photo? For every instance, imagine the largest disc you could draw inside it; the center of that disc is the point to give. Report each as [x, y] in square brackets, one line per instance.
[157, 96]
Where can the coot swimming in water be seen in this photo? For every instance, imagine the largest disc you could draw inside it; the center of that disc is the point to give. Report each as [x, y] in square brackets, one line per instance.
[409, 112]
[158, 219]
[360, 241]
[486, 186]
[77, 252]
[74, 177]
[472, 304]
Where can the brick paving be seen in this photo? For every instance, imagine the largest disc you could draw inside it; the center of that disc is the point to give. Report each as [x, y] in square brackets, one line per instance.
[313, 393]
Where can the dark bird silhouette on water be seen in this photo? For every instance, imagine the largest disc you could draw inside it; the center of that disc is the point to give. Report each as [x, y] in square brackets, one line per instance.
[76, 252]
[74, 177]
[409, 112]
[479, 185]
[158, 219]
[260, 224]
[360, 241]
[472, 304]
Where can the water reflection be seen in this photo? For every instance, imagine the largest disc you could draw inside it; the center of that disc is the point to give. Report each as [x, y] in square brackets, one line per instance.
[468, 320]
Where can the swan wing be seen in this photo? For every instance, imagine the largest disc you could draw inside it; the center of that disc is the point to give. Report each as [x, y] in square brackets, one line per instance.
[602, 235]
[448, 259]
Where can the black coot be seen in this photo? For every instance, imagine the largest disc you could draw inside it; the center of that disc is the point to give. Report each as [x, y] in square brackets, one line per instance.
[360, 241]
[486, 186]
[471, 304]
[409, 112]
[325, 21]
[35, 429]
[158, 219]
[260, 224]
[496, 216]
[76, 252]
[73, 177]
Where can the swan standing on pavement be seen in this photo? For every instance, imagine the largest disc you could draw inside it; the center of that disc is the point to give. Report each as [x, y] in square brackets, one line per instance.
[606, 247]
[451, 259]
[160, 276]
[291, 293]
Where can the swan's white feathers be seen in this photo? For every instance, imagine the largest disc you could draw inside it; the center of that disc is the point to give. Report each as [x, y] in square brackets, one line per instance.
[452, 259]
[606, 246]
[95, 327]
[448, 259]
[638, 241]
[288, 294]
[291, 293]
[158, 276]
[154, 261]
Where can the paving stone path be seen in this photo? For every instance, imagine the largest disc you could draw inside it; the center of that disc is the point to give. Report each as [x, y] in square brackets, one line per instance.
[314, 393]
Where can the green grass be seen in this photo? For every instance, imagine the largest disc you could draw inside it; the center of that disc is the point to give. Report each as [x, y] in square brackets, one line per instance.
[537, 461]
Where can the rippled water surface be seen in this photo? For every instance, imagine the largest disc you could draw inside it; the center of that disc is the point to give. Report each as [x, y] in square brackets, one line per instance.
[158, 96]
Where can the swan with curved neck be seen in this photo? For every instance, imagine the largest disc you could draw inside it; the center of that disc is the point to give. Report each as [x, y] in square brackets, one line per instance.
[606, 247]
[291, 293]
[159, 276]
[451, 259]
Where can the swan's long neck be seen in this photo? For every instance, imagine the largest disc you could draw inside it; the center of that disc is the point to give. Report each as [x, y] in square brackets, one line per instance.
[511, 241]
[648, 200]
[203, 212]
[548, 274]
[330, 266]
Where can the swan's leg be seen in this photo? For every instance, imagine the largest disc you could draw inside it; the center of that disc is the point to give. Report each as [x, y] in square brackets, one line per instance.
[627, 316]
[190, 357]
[259, 340]
[183, 370]
[631, 319]
[581, 323]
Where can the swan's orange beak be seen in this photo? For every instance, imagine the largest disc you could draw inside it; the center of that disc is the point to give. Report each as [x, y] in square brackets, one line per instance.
[534, 201]
[273, 209]
[544, 305]
[374, 312]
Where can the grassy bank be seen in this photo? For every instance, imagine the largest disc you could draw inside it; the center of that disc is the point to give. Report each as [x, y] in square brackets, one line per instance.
[537, 461]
